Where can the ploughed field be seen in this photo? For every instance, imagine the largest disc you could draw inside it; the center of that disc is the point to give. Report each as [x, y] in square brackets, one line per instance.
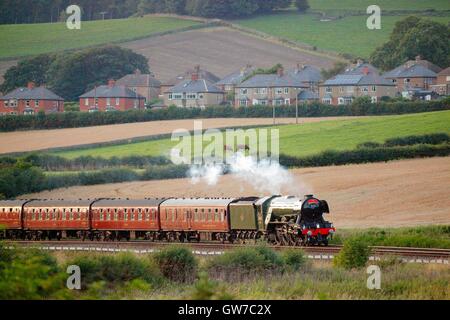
[398, 193]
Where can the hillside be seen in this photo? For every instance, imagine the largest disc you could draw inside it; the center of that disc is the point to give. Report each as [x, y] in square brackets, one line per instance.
[347, 35]
[307, 138]
[31, 39]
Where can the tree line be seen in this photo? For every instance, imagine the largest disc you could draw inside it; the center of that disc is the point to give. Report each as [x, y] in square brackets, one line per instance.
[38, 11]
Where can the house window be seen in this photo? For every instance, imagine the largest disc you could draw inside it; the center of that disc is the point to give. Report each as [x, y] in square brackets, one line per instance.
[244, 91]
[326, 100]
[328, 89]
[191, 96]
[286, 90]
[170, 96]
[278, 90]
[406, 80]
[228, 88]
[374, 88]
[262, 102]
[287, 101]
[374, 99]
[86, 102]
[108, 101]
[27, 103]
[36, 103]
[117, 101]
[340, 101]
[341, 89]
[178, 96]
[6, 103]
[243, 102]
[96, 101]
[200, 96]
[365, 89]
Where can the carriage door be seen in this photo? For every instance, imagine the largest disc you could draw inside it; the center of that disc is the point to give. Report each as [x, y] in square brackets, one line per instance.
[189, 216]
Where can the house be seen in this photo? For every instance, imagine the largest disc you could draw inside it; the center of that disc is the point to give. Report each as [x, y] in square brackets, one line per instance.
[229, 83]
[194, 93]
[308, 75]
[30, 100]
[345, 87]
[143, 84]
[269, 89]
[201, 74]
[111, 97]
[442, 86]
[416, 73]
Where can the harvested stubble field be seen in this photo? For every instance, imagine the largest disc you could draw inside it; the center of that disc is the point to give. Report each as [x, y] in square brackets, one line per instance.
[394, 194]
[23, 141]
[219, 50]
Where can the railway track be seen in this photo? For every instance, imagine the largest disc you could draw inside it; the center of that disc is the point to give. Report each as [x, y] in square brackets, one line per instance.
[419, 255]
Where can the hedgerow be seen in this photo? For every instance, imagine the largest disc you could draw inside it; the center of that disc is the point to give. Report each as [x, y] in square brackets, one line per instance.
[83, 119]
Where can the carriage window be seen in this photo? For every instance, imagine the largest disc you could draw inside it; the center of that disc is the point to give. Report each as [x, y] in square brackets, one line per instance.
[125, 215]
[216, 215]
[40, 214]
[101, 216]
[125, 210]
[173, 215]
[116, 215]
[140, 216]
[47, 216]
[71, 214]
[147, 214]
[222, 215]
[108, 217]
[132, 216]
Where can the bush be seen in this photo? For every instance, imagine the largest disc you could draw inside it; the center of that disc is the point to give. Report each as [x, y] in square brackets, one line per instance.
[177, 264]
[31, 274]
[293, 259]
[354, 254]
[115, 269]
[245, 262]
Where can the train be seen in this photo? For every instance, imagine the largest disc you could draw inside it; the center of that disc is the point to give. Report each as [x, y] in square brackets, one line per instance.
[278, 220]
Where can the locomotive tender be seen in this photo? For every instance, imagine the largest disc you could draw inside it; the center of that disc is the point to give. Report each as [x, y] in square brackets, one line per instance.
[280, 220]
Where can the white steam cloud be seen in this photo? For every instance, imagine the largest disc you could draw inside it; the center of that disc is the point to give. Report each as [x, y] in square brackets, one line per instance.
[264, 176]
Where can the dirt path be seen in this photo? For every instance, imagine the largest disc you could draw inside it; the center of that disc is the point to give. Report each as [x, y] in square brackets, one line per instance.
[393, 194]
[21, 141]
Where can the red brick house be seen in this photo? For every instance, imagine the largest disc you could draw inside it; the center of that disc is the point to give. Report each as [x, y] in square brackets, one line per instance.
[111, 97]
[442, 86]
[30, 100]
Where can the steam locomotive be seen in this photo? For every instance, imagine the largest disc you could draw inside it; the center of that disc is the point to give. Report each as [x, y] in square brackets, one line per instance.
[279, 220]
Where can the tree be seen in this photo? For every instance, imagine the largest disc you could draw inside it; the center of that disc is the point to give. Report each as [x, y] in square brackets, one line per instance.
[338, 67]
[302, 5]
[29, 69]
[72, 74]
[411, 37]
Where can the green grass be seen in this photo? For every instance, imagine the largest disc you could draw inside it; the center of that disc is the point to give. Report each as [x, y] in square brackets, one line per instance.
[416, 237]
[31, 39]
[305, 139]
[385, 5]
[347, 35]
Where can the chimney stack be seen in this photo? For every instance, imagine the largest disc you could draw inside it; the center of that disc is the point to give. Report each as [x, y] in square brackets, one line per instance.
[359, 62]
[418, 58]
[31, 85]
[197, 68]
[111, 83]
[365, 70]
[280, 72]
[137, 72]
[194, 76]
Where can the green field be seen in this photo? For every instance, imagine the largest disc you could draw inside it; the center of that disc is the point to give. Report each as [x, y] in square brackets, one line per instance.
[346, 35]
[31, 39]
[305, 139]
[385, 5]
